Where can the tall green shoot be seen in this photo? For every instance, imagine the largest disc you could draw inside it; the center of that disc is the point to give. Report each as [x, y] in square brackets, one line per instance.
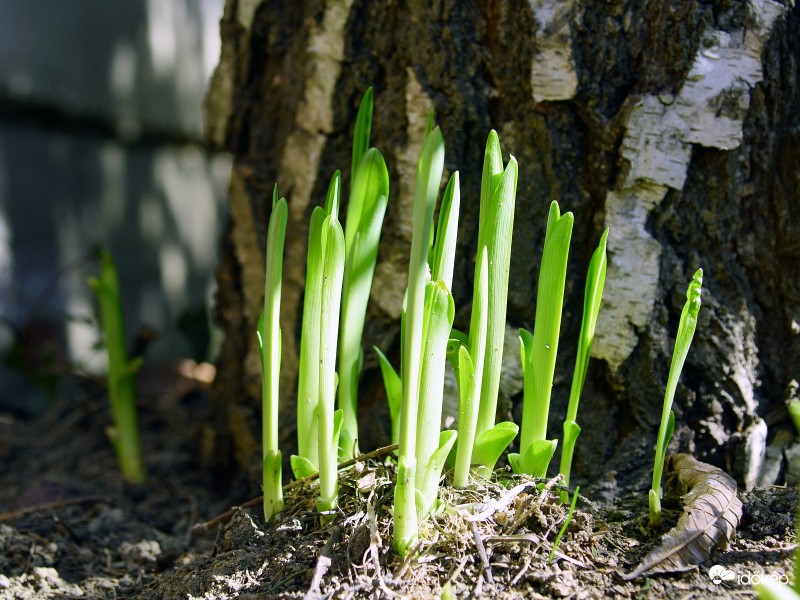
[369, 192]
[595, 281]
[683, 340]
[121, 373]
[306, 462]
[269, 341]
[539, 349]
[330, 421]
[318, 424]
[429, 174]
[495, 227]
[433, 445]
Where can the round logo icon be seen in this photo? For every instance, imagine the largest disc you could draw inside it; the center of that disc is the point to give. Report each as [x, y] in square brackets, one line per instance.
[718, 574]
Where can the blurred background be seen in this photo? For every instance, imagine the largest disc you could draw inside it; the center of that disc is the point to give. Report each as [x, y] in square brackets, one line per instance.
[101, 143]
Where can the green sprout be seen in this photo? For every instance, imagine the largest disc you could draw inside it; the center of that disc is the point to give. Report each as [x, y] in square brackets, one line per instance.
[470, 373]
[433, 445]
[318, 424]
[269, 345]
[683, 341]
[539, 349]
[330, 421]
[595, 280]
[306, 461]
[121, 373]
[429, 174]
[365, 212]
[495, 227]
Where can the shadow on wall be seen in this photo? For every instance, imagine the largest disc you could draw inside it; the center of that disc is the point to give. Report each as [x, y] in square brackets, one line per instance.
[101, 144]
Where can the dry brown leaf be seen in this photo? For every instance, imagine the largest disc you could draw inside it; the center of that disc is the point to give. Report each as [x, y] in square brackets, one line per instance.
[711, 512]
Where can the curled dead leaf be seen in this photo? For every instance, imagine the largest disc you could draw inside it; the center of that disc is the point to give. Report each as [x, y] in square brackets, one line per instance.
[711, 513]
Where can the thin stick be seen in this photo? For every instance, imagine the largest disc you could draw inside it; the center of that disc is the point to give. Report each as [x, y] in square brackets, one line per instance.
[323, 564]
[202, 528]
[16, 514]
[487, 569]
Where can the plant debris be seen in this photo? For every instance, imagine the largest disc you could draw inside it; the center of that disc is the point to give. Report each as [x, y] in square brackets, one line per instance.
[711, 513]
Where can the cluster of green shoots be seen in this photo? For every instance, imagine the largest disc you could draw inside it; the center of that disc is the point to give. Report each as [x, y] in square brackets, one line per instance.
[339, 272]
[340, 267]
[122, 372]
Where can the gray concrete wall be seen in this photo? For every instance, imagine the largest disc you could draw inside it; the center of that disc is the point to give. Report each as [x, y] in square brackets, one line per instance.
[101, 144]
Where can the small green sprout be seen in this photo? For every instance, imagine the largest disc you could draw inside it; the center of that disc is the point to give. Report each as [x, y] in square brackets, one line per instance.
[365, 212]
[269, 345]
[595, 281]
[121, 373]
[539, 349]
[563, 529]
[683, 341]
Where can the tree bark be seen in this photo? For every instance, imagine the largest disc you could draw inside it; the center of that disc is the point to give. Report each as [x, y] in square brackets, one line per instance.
[676, 123]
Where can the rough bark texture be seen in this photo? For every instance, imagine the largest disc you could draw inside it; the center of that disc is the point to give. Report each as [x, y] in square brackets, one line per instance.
[676, 123]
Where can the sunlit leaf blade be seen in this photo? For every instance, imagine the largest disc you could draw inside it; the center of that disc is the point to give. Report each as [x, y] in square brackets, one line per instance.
[361, 133]
[302, 467]
[439, 314]
[394, 392]
[495, 234]
[490, 444]
[595, 281]
[536, 458]
[433, 472]
[429, 174]
[271, 357]
[333, 257]
[365, 216]
[446, 232]
[308, 371]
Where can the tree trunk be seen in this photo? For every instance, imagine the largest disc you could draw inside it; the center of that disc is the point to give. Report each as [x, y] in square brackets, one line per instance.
[675, 123]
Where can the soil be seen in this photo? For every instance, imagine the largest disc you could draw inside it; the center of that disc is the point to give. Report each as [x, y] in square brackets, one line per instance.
[70, 528]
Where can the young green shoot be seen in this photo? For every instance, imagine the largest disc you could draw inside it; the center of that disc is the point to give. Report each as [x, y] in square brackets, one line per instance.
[429, 174]
[306, 461]
[433, 445]
[269, 342]
[470, 373]
[495, 227]
[121, 373]
[539, 349]
[365, 212]
[595, 280]
[329, 421]
[683, 340]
